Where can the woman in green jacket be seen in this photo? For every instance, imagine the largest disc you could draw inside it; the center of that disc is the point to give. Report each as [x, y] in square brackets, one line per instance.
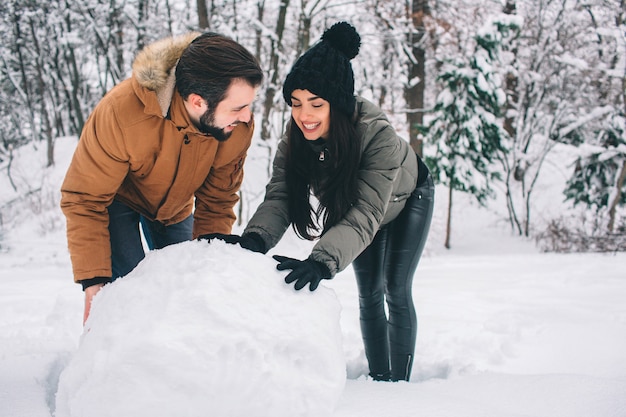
[372, 199]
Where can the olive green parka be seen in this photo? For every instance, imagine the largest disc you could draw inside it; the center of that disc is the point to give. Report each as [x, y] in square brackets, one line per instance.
[387, 177]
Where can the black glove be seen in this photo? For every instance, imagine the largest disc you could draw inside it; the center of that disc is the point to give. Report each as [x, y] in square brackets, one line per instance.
[303, 272]
[251, 241]
[232, 239]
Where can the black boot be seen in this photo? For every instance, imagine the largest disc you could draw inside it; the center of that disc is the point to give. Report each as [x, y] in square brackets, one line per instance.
[401, 367]
[375, 338]
[376, 346]
[386, 376]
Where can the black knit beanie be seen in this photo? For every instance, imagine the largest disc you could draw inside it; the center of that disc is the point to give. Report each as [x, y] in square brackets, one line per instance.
[325, 68]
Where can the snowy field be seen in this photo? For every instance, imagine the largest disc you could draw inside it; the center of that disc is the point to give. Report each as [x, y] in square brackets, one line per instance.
[504, 331]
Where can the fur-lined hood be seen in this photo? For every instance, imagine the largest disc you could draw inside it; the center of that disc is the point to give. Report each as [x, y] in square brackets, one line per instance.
[154, 67]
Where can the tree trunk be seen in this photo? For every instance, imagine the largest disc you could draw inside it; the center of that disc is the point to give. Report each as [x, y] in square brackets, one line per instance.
[168, 8]
[414, 90]
[142, 14]
[117, 39]
[75, 79]
[622, 177]
[511, 83]
[203, 15]
[41, 88]
[25, 82]
[260, 8]
[387, 54]
[304, 34]
[618, 197]
[268, 103]
[449, 220]
[510, 205]
[9, 168]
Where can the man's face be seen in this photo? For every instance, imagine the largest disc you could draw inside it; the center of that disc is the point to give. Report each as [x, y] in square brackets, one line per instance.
[232, 110]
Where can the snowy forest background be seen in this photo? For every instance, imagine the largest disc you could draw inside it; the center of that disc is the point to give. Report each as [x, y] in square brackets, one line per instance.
[488, 91]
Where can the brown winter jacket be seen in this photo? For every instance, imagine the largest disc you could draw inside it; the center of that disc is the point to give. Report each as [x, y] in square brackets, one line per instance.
[140, 147]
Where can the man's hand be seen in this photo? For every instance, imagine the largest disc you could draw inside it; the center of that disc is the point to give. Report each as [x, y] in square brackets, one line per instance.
[304, 272]
[232, 239]
[89, 294]
[251, 241]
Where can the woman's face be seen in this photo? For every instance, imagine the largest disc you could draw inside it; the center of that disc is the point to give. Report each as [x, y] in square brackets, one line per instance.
[311, 113]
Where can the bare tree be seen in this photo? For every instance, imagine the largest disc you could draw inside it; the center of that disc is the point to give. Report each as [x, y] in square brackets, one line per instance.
[551, 101]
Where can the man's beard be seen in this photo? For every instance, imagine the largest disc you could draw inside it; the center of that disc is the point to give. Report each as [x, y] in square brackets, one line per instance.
[206, 126]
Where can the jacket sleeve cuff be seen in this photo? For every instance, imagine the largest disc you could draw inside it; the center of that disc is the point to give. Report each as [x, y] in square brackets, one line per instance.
[255, 242]
[86, 283]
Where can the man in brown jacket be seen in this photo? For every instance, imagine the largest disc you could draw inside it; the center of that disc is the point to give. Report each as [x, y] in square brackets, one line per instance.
[172, 137]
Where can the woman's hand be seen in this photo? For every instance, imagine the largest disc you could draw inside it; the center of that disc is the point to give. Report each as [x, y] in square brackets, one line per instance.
[304, 272]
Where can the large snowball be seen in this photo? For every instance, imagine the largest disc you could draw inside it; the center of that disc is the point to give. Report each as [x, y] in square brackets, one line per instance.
[203, 329]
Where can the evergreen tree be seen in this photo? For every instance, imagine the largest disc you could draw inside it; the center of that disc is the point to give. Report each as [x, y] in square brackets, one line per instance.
[599, 180]
[466, 126]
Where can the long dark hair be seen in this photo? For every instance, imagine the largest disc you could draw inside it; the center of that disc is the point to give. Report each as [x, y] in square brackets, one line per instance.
[333, 181]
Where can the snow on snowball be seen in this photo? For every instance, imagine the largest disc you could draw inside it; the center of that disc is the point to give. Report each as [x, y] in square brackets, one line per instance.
[203, 329]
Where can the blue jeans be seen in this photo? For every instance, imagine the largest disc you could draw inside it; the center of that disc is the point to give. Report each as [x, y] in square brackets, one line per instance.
[384, 272]
[126, 247]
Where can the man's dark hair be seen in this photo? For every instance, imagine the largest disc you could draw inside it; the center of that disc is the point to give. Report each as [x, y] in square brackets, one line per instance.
[210, 63]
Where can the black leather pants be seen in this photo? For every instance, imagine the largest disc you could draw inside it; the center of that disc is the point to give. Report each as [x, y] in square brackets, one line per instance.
[384, 271]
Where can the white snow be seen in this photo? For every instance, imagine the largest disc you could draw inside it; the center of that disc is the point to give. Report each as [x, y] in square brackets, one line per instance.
[504, 330]
[197, 323]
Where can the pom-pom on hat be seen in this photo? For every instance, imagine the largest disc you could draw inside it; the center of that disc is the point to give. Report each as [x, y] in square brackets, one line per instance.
[325, 69]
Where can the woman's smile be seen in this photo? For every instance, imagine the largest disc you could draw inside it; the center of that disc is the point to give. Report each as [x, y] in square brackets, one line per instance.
[311, 113]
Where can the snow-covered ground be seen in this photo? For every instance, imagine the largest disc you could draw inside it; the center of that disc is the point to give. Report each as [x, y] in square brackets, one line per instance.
[504, 330]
